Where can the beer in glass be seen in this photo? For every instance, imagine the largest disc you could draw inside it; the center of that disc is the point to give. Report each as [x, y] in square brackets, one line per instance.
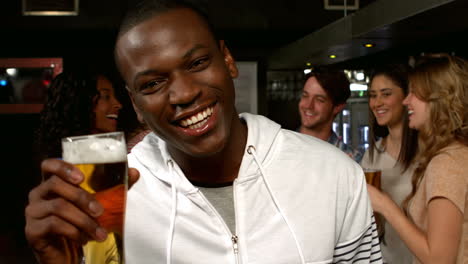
[102, 158]
[373, 177]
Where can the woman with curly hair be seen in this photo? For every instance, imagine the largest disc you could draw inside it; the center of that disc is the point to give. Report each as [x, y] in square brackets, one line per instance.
[78, 103]
[392, 149]
[435, 227]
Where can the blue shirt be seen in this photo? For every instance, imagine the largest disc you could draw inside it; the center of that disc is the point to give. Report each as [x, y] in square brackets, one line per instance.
[338, 142]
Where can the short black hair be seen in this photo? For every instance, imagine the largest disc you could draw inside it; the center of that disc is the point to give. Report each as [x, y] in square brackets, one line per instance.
[334, 82]
[145, 9]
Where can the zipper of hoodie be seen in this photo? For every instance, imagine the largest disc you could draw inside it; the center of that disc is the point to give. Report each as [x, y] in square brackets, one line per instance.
[235, 248]
[233, 237]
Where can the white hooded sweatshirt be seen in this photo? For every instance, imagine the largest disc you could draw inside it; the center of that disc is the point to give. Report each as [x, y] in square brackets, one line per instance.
[297, 199]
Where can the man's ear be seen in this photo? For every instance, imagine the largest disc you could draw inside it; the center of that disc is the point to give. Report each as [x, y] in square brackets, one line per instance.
[229, 60]
[135, 107]
[338, 108]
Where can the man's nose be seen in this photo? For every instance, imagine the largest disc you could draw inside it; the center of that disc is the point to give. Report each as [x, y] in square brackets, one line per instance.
[183, 90]
[311, 104]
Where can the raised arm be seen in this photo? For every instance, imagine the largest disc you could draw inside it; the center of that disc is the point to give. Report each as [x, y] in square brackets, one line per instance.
[444, 227]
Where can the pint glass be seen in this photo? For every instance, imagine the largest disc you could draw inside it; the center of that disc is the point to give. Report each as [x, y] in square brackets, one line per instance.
[373, 177]
[102, 158]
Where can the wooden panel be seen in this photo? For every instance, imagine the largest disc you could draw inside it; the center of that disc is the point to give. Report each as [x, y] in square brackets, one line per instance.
[20, 108]
[55, 63]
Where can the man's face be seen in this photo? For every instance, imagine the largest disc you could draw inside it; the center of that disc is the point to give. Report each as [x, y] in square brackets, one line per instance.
[316, 107]
[180, 81]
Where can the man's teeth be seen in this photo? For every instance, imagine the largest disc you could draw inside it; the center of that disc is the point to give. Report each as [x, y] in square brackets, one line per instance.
[197, 120]
[410, 112]
[381, 111]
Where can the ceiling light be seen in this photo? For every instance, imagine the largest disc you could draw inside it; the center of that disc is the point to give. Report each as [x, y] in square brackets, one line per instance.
[11, 71]
[332, 56]
[369, 45]
[359, 76]
[50, 8]
[358, 87]
[306, 71]
[308, 63]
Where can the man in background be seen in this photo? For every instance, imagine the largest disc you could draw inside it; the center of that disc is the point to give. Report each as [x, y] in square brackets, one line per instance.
[324, 96]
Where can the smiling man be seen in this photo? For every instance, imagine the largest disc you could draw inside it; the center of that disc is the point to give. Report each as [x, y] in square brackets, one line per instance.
[323, 96]
[216, 186]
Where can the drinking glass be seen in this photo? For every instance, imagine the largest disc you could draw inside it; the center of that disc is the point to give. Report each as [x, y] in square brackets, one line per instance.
[373, 177]
[102, 158]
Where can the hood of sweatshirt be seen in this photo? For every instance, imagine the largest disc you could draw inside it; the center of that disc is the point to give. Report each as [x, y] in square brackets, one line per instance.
[153, 154]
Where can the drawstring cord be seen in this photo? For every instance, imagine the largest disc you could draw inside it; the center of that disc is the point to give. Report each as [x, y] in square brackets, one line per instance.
[251, 150]
[170, 236]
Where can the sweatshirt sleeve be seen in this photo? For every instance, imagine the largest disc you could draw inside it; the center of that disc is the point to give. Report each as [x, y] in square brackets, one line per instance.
[358, 241]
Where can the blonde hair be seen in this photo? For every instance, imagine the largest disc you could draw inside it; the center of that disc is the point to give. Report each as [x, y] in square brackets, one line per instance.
[441, 81]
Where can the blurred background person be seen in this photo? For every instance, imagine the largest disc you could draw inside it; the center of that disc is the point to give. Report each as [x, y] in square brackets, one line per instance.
[437, 226]
[323, 96]
[80, 102]
[393, 146]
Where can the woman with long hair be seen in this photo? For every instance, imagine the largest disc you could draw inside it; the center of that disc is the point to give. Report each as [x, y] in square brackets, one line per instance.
[77, 103]
[435, 225]
[392, 147]
[80, 102]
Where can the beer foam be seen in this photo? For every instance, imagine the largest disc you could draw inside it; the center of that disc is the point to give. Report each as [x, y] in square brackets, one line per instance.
[94, 150]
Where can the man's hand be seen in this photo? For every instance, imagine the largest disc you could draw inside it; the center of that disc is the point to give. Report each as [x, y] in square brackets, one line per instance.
[60, 216]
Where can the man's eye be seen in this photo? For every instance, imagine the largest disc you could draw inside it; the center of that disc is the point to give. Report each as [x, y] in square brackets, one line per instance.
[199, 64]
[152, 86]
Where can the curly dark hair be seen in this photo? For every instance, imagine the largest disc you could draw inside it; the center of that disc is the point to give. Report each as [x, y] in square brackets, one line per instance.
[68, 110]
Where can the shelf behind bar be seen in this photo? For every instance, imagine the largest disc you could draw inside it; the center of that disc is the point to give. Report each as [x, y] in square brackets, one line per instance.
[20, 108]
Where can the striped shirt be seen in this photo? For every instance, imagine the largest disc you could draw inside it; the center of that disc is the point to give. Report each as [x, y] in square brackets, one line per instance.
[363, 249]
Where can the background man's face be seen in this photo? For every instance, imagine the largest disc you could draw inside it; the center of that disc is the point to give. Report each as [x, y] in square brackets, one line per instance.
[180, 80]
[315, 107]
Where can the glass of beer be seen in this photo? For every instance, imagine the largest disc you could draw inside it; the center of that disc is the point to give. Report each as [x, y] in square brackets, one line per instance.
[373, 177]
[102, 158]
